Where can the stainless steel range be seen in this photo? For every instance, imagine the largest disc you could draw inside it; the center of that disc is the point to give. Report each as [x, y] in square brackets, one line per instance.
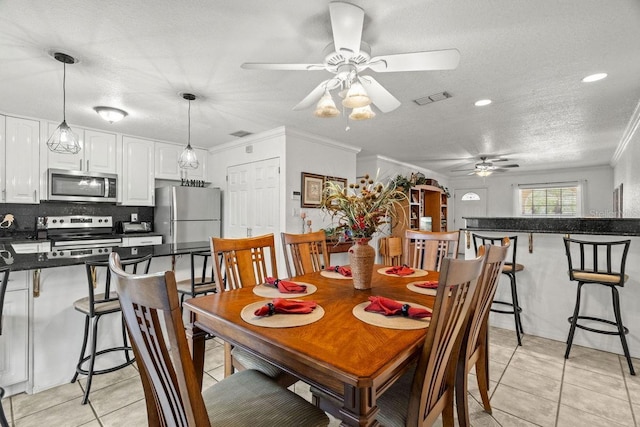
[80, 235]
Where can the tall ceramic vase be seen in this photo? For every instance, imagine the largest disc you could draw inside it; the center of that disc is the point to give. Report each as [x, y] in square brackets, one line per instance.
[361, 258]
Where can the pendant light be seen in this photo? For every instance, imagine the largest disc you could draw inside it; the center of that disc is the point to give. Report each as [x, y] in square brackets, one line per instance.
[63, 140]
[188, 158]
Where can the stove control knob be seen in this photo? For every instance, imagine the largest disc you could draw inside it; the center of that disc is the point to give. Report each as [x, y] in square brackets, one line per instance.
[61, 221]
[54, 221]
[100, 220]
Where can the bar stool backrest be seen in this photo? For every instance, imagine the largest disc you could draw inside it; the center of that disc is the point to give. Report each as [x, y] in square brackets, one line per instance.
[96, 268]
[4, 280]
[597, 262]
[479, 240]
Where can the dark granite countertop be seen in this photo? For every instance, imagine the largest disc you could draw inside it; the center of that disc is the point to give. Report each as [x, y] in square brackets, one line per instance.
[595, 226]
[45, 260]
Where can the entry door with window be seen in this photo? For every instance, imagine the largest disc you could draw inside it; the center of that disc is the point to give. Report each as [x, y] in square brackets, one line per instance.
[253, 190]
[468, 202]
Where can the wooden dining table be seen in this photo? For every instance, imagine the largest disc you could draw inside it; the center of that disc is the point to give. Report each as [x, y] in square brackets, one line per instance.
[351, 361]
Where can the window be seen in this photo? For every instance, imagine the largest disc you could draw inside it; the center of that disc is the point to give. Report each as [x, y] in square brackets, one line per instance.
[470, 196]
[550, 200]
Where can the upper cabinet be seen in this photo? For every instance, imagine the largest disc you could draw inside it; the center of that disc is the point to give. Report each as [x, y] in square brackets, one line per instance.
[98, 153]
[137, 180]
[20, 160]
[166, 163]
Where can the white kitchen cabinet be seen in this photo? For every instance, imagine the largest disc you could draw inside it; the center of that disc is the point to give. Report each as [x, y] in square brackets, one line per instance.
[141, 241]
[97, 154]
[21, 161]
[166, 162]
[14, 345]
[137, 183]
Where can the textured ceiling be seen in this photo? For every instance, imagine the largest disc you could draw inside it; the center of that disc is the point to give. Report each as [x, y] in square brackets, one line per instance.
[527, 56]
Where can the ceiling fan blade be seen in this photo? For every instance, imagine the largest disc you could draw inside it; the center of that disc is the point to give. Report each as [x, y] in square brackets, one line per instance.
[510, 166]
[381, 97]
[286, 67]
[499, 170]
[316, 93]
[464, 170]
[418, 61]
[346, 22]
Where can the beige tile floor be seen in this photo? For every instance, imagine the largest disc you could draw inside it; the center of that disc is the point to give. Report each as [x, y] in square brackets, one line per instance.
[531, 385]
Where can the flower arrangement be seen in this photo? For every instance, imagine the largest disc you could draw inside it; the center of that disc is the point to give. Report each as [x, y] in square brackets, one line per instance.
[362, 208]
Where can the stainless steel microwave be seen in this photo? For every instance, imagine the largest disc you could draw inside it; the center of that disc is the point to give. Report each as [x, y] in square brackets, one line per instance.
[81, 186]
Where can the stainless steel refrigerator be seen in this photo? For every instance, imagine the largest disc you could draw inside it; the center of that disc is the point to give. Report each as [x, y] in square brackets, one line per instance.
[187, 214]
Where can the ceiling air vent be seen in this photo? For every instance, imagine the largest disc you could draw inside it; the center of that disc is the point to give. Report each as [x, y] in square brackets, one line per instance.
[241, 133]
[432, 98]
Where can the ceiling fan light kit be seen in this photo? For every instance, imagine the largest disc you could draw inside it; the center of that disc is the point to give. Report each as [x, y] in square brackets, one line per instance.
[326, 107]
[348, 56]
[188, 158]
[64, 140]
[486, 167]
[362, 113]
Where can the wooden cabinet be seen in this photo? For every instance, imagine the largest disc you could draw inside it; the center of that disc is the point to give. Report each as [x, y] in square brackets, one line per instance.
[166, 163]
[15, 332]
[98, 152]
[424, 202]
[137, 188]
[20, 183]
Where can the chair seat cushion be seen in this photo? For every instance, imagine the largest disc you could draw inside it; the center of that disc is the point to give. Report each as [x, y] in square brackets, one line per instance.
[394, 403]
[271, 405]
[184, 287]
[249, 361]
[508, 268]
[82, 305]
[598, 277]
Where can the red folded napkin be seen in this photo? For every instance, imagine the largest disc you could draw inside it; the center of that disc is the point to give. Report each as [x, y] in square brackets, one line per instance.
[286, 306]
[390, 307]
[285, 286]
[429, 284]
[345, 271]
[400, 271]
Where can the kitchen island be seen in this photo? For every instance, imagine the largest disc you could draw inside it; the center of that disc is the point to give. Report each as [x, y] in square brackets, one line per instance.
[546, 295]
[42, 332]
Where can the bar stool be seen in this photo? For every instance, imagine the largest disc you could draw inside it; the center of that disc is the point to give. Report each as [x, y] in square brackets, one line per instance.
[197, 285]
[509, 269]
[95, 306]
[4, 278]
[596, 265]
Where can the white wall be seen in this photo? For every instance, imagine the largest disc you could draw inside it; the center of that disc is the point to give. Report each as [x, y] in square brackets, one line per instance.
[598, 199]
[626, 170]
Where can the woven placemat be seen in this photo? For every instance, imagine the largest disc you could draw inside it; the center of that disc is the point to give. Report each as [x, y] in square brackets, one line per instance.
[271, 292]
[391, 322]
[425, 291]
[333, 275]
[416, 273]
[279, 320]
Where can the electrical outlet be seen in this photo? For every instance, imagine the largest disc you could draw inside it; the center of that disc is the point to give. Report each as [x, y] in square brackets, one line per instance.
[134, 217]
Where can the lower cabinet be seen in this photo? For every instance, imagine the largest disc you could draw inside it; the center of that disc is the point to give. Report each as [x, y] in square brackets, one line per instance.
[141, 241]
[14, 344]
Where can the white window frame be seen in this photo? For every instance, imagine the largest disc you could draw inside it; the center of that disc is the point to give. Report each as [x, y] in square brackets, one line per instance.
[580, 190]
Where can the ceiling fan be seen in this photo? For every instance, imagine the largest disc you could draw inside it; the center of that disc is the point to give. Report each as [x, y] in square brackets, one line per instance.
[486, 167]
[348, 56]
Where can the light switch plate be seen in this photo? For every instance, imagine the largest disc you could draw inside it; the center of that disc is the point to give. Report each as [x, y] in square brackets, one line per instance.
[134, 217]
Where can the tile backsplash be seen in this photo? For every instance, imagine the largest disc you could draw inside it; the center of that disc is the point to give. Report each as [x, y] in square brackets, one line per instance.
[25, 215]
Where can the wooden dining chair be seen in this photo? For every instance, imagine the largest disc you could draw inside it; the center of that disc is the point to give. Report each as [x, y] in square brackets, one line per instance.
[391, 250]
[172, 393]
[474, 350]
[427, 390]
[307, 252]
[246, 262]
[426, 249]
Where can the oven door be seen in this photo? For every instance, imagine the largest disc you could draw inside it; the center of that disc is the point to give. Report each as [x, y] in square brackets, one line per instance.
[80, 186]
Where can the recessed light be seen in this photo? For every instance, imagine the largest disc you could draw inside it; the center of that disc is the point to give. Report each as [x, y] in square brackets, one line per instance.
[482, 102]
[111, 114]
[594, 77]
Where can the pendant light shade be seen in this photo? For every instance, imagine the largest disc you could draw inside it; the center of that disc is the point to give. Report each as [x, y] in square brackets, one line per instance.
[362, 113]
[326, 107]
[356, 96]
[63, 140]
[188, 158]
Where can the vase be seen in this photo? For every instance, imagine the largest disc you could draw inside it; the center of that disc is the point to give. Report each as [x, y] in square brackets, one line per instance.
[361, 258]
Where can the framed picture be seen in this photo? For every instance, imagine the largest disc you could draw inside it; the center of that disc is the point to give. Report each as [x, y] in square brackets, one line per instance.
[312, 186]
[342, 182]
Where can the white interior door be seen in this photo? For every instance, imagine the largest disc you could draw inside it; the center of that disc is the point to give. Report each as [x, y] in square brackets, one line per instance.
[253, 190]
[468, 202]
